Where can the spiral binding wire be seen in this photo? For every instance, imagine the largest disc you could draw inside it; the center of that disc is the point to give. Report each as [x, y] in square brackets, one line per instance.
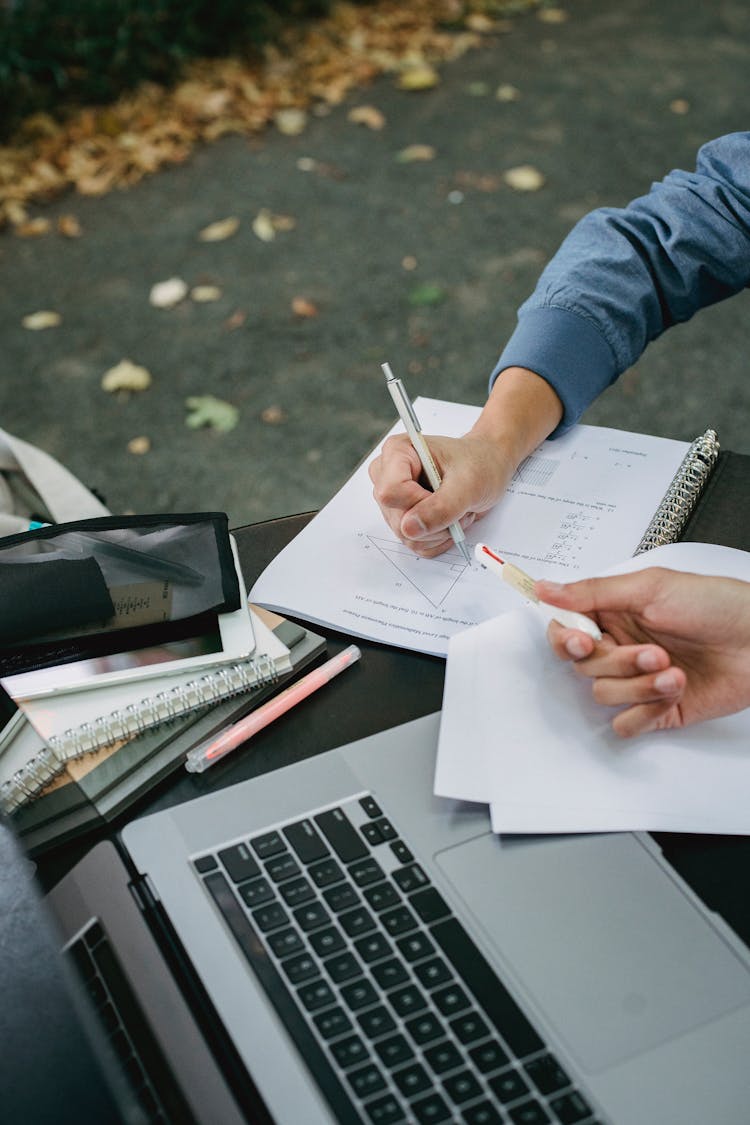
[679, 500]
[126, 722]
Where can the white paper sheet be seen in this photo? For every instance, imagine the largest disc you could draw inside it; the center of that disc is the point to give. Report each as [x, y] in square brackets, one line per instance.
[521, 731]
[576, 506]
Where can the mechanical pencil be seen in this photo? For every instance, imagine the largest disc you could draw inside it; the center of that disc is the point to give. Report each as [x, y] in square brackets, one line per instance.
[523, 584]
[201, 757]
[403, 405]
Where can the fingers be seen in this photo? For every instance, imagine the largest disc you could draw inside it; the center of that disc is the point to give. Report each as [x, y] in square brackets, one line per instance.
[624, 593]
[645, 717]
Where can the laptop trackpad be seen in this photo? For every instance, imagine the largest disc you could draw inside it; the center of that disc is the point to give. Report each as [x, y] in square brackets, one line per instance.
[605, 943]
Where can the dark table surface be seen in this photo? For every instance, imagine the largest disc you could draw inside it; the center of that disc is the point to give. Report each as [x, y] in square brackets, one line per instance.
[388, 686]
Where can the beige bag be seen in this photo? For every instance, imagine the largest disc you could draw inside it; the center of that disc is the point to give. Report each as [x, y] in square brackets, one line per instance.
[35, 486]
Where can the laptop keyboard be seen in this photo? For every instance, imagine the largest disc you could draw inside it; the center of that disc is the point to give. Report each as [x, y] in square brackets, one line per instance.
[394, 1009]
[153, 1097]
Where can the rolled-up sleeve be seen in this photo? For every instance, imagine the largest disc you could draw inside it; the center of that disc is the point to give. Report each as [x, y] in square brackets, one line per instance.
[624, 275]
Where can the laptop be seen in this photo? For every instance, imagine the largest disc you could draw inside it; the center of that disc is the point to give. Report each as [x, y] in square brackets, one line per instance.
[329, 942]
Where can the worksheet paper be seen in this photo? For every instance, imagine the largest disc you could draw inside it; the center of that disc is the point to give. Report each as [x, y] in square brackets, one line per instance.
[520, 731]
[575, 506]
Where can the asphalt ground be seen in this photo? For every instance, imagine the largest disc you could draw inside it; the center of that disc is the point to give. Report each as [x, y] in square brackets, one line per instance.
[595, 115]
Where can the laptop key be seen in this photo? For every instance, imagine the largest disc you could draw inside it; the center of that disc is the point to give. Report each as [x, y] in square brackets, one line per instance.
[384, 1111]
[239, 863]
[547, 1074]
[571, 1108]
[433, 972]
[285, 942]
[342, 967]
[270, 917]
[371, 807]
[381, 896]
[316, 995]
[372, 834]
[359, 994]
[366, 871]
[341, 897]
[406, 1001]
[373, 947]
[326, 941]
[376, 1021]
[429, 905]
[481, 1113]
[389, 974]
[325, 873]
[332, 1022]
[462, 1087]
[398, 921]
[394, 1050]
[205, 863]
[488, 1057]
[366, 1081]
[350, 1052]
[256, 892]
[281, 867]
[415, 946]
[469, 1027]
[357, 922]
[300, 967]
[311, 916]
[267, 844]
[443, 1057]
[341, 835]
[410, 878]
[451, 999]
[529, 1113]
[425, 1028]
[509, 1086]
[306, 841]
[401, 851]
[296, 892]
[431, 1110]
[412, 1080]
[387, 831]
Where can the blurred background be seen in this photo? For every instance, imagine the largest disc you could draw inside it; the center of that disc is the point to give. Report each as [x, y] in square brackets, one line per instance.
[216, 228]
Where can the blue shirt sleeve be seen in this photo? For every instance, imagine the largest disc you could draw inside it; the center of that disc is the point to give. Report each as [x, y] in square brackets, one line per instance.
[622, 276]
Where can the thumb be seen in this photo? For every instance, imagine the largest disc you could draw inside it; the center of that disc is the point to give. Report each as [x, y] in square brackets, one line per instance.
[433, 513]
[626, 593]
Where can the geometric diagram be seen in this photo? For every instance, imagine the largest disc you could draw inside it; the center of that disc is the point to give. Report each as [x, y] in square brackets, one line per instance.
[432, 578]
[535, 471]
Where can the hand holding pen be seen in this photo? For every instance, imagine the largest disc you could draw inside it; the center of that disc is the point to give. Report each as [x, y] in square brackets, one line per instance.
[406, 413]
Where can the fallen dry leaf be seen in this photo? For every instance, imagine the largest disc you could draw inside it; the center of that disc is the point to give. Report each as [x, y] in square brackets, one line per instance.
[552, 15]
[33, 228]
[266, 224]
[218, 231]
[303, 308]
[413, 153]
[421, 76]
[126, 376]
[206, 410]
[409, 262]
[290, 122]
[139, 445]
[524, 178]
[680, 106]
[236, 320]
[273, 416]
[69, 226]
[43, 319]
[507, 93]
[203, 294]
[367, 115]
[167, 294]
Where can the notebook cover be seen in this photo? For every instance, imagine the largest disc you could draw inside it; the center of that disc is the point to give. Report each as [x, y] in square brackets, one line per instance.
[722, 515]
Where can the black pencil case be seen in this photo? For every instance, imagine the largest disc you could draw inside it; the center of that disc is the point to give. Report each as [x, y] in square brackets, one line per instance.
[73, 589]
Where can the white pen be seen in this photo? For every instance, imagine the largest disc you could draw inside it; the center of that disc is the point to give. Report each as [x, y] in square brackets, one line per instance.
[523, 584]
[403, 405]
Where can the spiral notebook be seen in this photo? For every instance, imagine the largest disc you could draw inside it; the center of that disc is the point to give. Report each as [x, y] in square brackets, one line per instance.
[78, 723]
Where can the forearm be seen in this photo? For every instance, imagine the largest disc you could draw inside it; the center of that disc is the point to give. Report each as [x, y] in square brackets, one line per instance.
[521, 411]
[622, 276]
